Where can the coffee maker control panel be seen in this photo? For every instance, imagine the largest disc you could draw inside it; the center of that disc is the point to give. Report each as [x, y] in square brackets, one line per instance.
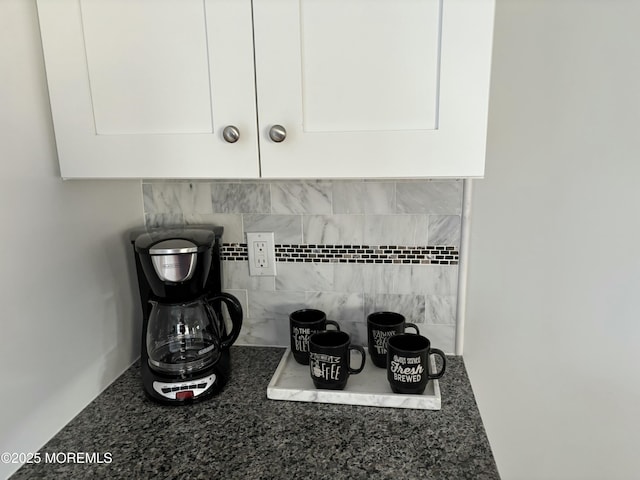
[184, 390]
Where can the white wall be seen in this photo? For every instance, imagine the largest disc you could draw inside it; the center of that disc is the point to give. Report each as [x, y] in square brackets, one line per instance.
[552, 340]
[69, 319]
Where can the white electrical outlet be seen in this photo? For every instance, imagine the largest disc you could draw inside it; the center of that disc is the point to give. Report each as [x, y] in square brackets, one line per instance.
[262, 254]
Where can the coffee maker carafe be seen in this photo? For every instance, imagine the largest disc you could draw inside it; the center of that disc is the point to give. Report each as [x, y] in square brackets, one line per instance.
[185, 341]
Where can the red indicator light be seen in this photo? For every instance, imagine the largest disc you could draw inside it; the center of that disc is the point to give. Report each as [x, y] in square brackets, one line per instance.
[184, 394]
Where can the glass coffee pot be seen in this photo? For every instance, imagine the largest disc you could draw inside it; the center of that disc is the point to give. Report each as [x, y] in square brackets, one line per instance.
[186, 337]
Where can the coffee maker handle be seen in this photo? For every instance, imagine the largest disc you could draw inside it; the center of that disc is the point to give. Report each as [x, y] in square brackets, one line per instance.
[235, 312]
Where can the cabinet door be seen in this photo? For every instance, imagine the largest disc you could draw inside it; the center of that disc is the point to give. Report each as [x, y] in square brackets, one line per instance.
[144, 88]
[373, 88]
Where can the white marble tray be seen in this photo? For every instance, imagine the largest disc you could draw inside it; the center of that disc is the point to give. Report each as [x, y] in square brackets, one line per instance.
[292, 382]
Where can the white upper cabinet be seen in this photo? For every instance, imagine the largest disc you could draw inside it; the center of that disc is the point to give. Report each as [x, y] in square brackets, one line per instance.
[344, 88]
[145, 88]
[381, 88]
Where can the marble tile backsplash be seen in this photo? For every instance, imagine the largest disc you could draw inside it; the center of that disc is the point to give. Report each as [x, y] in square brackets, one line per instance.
[403, 224]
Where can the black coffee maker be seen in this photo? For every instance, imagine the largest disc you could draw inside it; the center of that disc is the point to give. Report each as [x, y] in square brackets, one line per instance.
[185, 340]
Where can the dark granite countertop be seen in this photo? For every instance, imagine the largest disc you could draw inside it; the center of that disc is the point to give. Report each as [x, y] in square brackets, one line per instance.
[240, 434]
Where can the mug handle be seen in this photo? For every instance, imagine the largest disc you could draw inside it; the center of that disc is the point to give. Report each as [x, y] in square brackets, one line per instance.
[412, 325]
[440, 353]
[364, 358]
[335, 324]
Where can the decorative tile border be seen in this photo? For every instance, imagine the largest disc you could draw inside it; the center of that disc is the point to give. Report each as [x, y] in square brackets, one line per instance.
[424, 255]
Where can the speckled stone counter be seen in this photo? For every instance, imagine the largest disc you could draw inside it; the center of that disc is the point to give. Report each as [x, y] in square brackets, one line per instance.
[240, 434]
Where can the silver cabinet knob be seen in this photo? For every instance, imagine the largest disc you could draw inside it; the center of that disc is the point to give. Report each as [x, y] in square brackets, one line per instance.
[231, 134]
[277, 133]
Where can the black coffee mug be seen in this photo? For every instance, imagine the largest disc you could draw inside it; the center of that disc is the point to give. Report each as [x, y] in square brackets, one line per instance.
[329, 359]
[303, 324]
[381, 326]
[408, 366]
